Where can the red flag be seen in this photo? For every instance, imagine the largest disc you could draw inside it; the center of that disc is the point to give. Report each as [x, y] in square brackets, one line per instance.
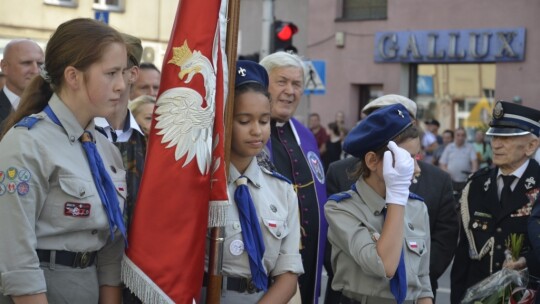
[184, 168]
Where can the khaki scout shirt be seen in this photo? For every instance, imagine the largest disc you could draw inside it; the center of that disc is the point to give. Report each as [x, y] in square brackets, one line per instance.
[277, 208]
[44, 177]
[354, 225]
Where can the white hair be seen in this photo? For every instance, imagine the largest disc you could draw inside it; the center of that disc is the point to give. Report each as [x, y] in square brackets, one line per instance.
[282, 60]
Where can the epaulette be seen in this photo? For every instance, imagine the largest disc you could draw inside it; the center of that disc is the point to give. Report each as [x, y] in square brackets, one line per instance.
[275, 174]
[415, 196]
[338, 197]
[29, 121]
[478, 173]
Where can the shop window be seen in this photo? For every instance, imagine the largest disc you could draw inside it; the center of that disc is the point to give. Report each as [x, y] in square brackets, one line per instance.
[109, 5]
[67, 3]
[364, 9]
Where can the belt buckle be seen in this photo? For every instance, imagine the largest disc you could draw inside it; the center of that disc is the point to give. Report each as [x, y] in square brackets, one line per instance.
[251, 288]
[82, 260]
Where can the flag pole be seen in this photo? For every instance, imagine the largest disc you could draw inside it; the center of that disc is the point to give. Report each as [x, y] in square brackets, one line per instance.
[213, 291]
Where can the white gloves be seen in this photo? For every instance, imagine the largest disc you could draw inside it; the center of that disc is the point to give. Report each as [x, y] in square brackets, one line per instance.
[398, 169]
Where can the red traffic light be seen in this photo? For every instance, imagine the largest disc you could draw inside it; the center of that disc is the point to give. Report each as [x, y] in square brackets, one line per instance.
[286, 32]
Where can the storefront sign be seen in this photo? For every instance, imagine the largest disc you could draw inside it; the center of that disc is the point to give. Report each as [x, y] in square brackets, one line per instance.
[451, 46]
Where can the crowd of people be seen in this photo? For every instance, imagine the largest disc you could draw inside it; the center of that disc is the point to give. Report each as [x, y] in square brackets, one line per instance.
[375, 205]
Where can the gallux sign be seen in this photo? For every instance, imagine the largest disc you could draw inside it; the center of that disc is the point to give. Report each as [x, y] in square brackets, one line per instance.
[451, 46]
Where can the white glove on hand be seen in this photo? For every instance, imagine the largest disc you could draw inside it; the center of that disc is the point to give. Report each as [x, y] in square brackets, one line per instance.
[398, 169]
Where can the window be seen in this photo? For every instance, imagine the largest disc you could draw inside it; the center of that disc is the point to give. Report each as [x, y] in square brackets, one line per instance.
[109, 5]
[67, 3]
[364, 9]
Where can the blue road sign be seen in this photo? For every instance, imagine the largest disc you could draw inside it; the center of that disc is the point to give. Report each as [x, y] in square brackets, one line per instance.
[102, 16]
[315, 76]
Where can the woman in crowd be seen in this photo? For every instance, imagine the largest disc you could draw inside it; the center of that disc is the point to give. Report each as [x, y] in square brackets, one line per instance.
[142, 108]
[378, 230]
[261, 259]
[62, 183]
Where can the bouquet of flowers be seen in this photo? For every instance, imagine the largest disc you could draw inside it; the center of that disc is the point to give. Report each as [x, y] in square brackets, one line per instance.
[506, 286]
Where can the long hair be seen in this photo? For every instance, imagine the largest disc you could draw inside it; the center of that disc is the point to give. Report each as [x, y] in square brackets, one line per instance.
[78, 43]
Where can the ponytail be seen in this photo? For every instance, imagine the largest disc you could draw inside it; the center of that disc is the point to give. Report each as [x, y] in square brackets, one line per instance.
[33, 100]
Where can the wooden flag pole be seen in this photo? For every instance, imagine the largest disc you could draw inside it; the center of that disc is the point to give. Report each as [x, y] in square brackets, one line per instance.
[213, 291]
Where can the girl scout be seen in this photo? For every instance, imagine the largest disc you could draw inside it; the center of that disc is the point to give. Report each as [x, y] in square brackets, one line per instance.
[378, 230]
[62, 184]
[261, 259]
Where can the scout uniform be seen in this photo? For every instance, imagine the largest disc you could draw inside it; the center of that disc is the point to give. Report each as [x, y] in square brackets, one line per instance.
[487, 221]
[275, 201]
[55, 232]
[355, 220]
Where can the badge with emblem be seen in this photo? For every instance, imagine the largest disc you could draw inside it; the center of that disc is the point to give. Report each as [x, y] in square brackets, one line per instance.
[498, 111]
[2, 189]
[400, 113]
[273, 208]
[77, 209]
[24, 175]
[316, 166]
[475, 224]
[236, 247]
[23, 188]
[486, 185]
[530, 182]
[11, 173]
[11, 187]
[2, 176]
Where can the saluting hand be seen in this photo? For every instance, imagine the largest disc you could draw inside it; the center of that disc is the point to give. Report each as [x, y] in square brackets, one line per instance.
[398, 169]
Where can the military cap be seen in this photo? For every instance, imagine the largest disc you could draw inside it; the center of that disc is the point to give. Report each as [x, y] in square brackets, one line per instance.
[512, 119]
[377, 129]
[250, 72]
[388, 100]
[134, 48]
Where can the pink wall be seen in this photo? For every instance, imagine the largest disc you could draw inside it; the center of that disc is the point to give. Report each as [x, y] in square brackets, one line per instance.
[354, 64]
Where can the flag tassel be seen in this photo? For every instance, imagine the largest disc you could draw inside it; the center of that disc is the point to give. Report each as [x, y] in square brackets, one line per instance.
[218, 213]
[141, 285]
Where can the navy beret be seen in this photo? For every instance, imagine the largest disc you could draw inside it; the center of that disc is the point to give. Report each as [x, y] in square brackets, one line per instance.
[250, 72]
[512, 119]
[376, 130]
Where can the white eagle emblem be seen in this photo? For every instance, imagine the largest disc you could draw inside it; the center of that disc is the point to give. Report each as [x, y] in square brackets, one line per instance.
[181, 117]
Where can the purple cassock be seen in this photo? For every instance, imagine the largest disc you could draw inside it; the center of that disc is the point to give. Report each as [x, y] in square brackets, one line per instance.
[294, 152]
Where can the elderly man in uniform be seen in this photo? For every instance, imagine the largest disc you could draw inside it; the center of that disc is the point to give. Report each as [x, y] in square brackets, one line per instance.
[433, 185]
[497, 202]
[293, 150]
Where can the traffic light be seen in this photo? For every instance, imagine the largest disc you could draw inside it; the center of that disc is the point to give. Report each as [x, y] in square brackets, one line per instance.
[283, 36]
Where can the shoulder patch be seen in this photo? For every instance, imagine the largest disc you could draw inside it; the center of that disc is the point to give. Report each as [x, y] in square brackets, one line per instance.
[479, 173]
[29, 121]
[415, 196]
[338, 197]
[275, 174]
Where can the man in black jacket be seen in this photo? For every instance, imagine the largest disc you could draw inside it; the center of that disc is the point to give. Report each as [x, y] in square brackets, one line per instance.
[433, 184]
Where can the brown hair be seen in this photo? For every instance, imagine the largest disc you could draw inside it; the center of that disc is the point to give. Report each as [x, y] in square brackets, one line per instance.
[78, 43]
[361, 168]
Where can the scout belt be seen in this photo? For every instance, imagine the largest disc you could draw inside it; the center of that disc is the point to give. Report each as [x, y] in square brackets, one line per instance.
[68, 258]
[236, 284]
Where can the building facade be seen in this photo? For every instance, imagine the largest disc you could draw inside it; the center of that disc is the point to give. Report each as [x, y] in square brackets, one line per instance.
[454, 58]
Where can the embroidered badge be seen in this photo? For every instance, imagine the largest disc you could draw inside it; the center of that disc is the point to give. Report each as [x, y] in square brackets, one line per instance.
[23, 188]
[482, 214]
[77, 209]
[400, 113]
[532, 195]
[24, 175]
[2, 189]
[530, 182]
[11, 187]
[486, 184]
[316, 166]
[413, 244]
[2, 176]
[273, 208]
[11, 173]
